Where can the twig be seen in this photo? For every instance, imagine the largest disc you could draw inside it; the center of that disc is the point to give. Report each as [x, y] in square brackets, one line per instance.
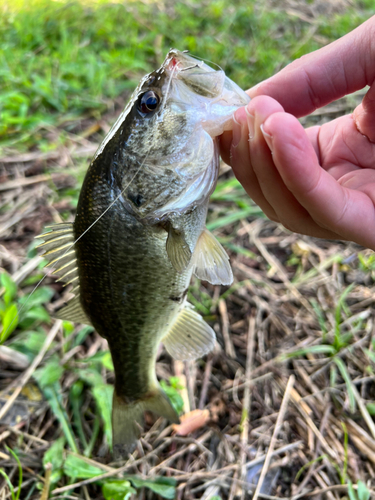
[297, 401]
[47, 479]
[23, 181]
[29, 372]
[205, 383]
[362, 407]
[280, 271]
[340, 488]
[280, 418]
[25, 270]
[50, 155]
[247, 400]
[131, 463]
[229, 349]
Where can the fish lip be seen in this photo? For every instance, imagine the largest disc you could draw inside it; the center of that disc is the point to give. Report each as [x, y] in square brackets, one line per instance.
[183, 62]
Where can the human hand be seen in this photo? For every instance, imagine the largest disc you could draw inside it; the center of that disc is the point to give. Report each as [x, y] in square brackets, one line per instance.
[319, 181]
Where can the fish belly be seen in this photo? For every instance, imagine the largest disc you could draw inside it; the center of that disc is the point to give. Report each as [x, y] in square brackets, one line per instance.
[131, 293]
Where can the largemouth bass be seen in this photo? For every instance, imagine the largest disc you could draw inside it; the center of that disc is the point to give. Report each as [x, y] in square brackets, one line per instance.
[139, 232]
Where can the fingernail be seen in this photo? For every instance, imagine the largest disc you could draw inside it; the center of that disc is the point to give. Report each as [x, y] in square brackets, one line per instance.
[250, 124]
[267, 137]
[237, 132]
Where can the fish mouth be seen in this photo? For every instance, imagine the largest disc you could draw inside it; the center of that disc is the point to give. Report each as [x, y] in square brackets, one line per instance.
[210, 89]
[202, 79]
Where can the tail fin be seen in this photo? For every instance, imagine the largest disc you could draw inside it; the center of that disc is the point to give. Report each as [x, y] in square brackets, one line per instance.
[127, 419]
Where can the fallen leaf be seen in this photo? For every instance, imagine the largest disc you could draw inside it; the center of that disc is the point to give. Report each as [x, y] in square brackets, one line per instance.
[191, 421]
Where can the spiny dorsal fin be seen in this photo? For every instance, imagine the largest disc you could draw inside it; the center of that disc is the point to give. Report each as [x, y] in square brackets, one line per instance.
[60, 253]
[73, 312]
[210, 260]
[189, 337]
[178, 250]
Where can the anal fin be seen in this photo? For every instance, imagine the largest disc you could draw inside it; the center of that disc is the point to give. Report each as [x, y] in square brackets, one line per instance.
[189, 337]
[210, 260]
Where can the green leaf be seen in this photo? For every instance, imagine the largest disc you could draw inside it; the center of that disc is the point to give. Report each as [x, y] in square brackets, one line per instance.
[49, 373]
[107, 361]
[174, 396]
[370, 354]
[362, 491]
[29, 343]
[82, 334]
[351, 491]
[53, 396]
[314, 349]
[345, 375]
[10, 288]
[90, 376]
[38, 313]
[55, 456]
[234, 217]
[76, 467]
[371, 408]
[117, 490]
[41, 296]
[103, 395]
[68, 328]
[102, 357]
[163, 486]
[10, 322]
[20, 472]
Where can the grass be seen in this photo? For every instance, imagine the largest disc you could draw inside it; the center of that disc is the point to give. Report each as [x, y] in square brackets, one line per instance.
[59, 60]
[66, 69]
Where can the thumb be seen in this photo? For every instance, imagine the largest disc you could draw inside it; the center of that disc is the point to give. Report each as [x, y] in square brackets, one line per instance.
[364, 115]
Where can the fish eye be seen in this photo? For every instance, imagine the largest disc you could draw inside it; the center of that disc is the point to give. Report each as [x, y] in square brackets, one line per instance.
[148, 102]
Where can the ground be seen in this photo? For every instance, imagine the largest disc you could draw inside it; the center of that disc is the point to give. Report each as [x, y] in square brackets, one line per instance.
[284, 405]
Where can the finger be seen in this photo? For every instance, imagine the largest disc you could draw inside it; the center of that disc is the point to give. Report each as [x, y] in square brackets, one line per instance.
[242, 165]
[364, 115]
[271, 184]
[334, 207]
[287, 208]
[316, 79]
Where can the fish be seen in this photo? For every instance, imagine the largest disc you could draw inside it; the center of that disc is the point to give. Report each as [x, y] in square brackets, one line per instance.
[139, 232]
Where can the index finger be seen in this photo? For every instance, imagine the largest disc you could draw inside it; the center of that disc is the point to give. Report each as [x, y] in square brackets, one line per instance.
[316, 79]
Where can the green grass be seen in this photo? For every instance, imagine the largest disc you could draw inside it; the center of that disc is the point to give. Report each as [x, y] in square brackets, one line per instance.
[60, 60]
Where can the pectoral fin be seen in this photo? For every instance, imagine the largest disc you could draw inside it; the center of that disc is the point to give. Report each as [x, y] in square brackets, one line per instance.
[189, 337]
[178, 250]
[210, 261]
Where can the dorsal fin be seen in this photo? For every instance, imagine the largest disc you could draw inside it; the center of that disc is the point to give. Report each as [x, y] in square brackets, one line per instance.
[59, 250]
[60, 254]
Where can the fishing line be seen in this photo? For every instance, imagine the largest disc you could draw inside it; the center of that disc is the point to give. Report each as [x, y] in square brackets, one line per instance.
[100, 216]
[207, 61]
[167, 90]
[79, 237]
